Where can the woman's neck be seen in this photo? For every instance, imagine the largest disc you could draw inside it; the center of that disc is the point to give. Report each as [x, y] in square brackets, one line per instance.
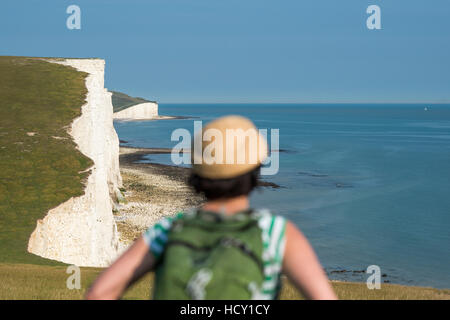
[227, 206]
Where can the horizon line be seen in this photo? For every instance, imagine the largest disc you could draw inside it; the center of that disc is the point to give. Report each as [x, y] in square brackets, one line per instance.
[308, 102]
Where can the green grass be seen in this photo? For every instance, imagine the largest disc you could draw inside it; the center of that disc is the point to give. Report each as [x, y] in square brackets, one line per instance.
[21, 281]
[121, 101]
[37, 172]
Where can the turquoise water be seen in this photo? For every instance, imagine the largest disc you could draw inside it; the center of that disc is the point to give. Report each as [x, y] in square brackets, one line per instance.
[367, 184]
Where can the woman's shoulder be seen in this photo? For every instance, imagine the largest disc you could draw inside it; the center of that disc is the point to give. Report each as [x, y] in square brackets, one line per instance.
[272, 225]
[266, 216]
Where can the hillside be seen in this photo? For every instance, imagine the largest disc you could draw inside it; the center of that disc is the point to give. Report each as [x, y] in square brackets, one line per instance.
[123, 101]
[40, 166]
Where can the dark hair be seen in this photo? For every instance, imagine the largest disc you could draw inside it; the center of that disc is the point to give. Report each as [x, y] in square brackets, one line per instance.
[225, 188]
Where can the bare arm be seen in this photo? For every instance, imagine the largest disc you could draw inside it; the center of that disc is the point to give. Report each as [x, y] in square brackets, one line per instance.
[302, 267]
[128, 268]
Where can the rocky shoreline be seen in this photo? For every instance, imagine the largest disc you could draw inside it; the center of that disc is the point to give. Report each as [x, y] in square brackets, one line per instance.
[152, 191]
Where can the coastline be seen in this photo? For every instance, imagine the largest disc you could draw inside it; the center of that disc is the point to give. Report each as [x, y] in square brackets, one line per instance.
[172, 179]
[152, 191]
[131, 155]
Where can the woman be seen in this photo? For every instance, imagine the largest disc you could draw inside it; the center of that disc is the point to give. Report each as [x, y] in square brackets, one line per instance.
[225, 249]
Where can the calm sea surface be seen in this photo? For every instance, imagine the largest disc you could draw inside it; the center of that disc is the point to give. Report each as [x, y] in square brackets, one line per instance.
[367, 184]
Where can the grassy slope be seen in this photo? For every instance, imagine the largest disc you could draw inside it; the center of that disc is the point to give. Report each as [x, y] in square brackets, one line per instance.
[49, 282]
[122, 101]
[37, 172]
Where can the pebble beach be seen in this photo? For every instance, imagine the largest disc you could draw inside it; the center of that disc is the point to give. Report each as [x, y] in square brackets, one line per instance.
[152, 191]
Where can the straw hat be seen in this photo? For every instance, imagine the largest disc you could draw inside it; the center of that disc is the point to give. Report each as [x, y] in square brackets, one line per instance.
[228, 147]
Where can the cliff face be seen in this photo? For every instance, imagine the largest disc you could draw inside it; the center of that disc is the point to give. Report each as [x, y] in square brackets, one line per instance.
[142, 111]
[82, 230]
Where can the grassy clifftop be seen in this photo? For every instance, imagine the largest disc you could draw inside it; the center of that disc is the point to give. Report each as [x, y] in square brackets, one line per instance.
[40, 166]
[121, 101]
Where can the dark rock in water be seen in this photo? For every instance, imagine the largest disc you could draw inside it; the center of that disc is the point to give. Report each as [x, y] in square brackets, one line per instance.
[339, 271]
[343, 185]
[359, 271]
[324, 180]
[123, 141]
[353, 275]
[312, 174]
[268, 184]
[282, 150]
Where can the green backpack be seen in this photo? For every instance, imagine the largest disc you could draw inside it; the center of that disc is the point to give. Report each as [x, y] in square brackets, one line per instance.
[209, 256]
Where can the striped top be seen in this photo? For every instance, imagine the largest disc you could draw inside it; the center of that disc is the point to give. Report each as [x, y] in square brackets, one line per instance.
[273, 236]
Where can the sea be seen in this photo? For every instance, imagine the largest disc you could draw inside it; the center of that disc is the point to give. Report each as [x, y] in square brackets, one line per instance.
[368, 184]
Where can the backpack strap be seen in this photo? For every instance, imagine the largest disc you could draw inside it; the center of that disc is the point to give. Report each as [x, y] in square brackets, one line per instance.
[156, 236]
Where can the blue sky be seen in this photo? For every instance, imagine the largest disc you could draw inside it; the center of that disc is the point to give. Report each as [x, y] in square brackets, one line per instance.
[247, 51]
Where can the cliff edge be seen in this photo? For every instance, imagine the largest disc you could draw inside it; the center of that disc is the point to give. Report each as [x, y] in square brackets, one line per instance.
[82, 230]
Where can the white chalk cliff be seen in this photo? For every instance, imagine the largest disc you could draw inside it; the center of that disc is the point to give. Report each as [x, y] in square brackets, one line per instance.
[142, 111]
[82, 230]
